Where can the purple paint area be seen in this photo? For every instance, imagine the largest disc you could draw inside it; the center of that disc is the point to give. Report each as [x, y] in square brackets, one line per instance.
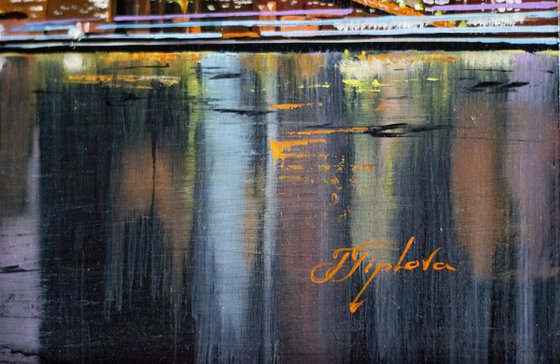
[62, 21]
[540, 5]
[236, 15]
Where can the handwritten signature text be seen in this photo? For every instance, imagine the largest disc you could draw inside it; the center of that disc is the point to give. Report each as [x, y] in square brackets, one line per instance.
[360, 255]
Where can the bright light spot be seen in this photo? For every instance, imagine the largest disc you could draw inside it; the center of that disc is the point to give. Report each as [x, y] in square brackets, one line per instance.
[73, 62]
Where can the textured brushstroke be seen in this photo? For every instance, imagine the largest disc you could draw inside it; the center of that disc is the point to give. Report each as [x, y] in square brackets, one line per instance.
[237, 14]
[469, 7]
[179, 221]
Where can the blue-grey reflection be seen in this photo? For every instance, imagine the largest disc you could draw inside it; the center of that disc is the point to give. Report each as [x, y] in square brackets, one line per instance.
[225, 247]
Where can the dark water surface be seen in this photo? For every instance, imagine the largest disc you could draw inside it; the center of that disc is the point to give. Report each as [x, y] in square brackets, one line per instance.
[170, 207]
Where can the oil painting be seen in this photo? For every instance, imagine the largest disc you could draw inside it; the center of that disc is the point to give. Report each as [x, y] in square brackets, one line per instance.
[279, 181]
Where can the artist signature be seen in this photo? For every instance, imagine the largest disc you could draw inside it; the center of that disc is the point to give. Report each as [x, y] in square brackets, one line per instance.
[359, 254]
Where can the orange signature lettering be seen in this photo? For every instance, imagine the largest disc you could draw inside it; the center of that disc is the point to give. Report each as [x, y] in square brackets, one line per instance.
[359, 255]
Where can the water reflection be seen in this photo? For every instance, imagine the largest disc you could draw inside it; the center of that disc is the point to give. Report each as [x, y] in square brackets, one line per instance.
[228, 243]
[183, 199]
[20, 281]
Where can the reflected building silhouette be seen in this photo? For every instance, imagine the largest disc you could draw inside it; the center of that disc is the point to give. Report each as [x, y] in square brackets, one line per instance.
[311, 201]
[503, 158]
[118, 217]
[531, 174]
[20, 279]
[226, 246]
[395, 188]
[479, 213]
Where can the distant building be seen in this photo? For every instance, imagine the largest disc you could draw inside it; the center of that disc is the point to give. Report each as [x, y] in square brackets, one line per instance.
[147, 7]
[64, 9]
[33, 10]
